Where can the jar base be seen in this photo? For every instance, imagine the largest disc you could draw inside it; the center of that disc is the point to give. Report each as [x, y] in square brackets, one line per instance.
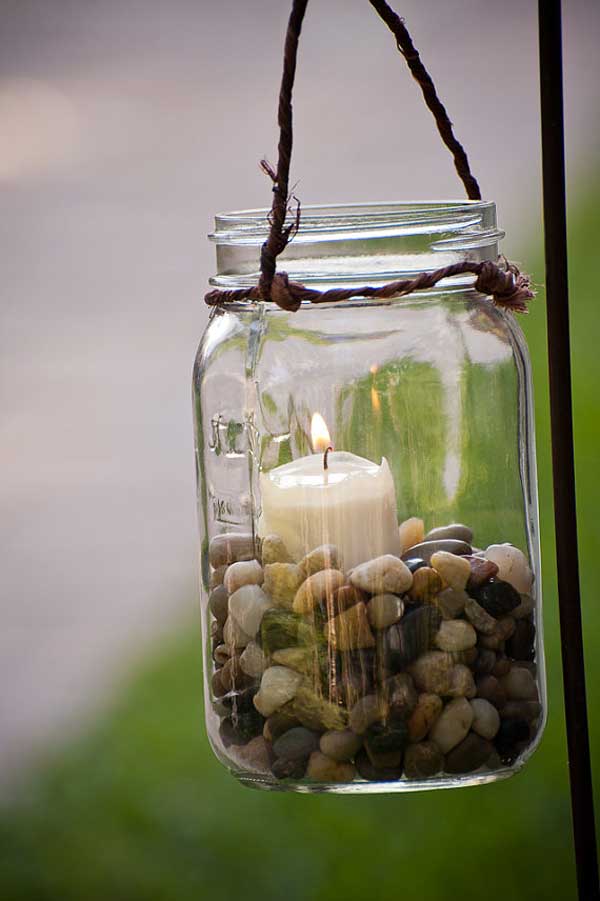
[263, 783]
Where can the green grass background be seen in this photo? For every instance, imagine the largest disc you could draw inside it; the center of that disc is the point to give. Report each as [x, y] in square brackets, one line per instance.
[138, 809]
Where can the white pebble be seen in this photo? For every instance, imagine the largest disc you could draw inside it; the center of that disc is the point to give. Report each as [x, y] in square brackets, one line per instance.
[486, 719]
[278, 686]
[247, 606]
[512, 566]
[455, 571]
[382, 575]
[246, 572]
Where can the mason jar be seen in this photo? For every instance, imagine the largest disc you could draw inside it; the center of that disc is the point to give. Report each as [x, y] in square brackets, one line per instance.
[370, 573]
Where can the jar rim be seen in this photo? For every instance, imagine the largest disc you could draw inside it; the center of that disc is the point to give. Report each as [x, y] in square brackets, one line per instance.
[382, 218]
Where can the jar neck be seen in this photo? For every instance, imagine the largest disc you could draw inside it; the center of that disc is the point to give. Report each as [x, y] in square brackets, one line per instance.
[360, 244]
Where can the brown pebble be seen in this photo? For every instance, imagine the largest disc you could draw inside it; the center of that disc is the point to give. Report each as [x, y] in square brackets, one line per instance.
[469, 755]
[501, 667]
[348, 596]
[485, 662]
[427, 583]
[402, 696]
[489, 687]
[429, 707]
[232, 675]
[278, 723]
[423, 760]
[482, 570]
[521, 710]
[216, 684]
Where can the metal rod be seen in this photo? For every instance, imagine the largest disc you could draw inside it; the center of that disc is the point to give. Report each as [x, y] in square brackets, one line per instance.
[557, 311]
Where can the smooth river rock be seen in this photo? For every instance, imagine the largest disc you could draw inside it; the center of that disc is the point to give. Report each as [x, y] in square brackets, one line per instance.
[428, 708]
[452, 725]
[382, 575]
[229, 548]
[247, 606]
[486, 719]
[281, 583]
[246, 572]
[317, 589]
[455, 635]
[423, 760]
[384, 610]
[454, 570]
[455, 530]
[278, 686]
[513, 566]
[426, 549]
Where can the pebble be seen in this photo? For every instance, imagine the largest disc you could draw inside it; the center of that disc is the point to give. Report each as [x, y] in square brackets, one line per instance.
[452, 725]
[296, 743]
[505, 627]
[489, 687]
[231, 547]
[383, 739]
[233, 634]
[428, 708]
[341, 745]
[247, 607]
[521, 710]
[217, 576]
[423, 760]
[384, 610]
[451, 602]
[316, 713]
[241, 727]
[216, 634]
[366, 770]
[486, 660]
[278, 686]
[347, 596]
[324, 557]
[274, 550]
[247, 572]
[324, 769]
[497, 597]
[221, 654]
[317, 589]
[426, 549]
[255, 756]
[427, 583]
[455, 635]
[469, 755]
[282, 581]
[278, 723]
[407, 640]
[415, 563]
[479, 618]
[521, 646]
[218, 604]
[486, 719]
[454, 530]
[402, 696]
[462, 683]
[513, 566]
[455, 571]
[350, 629]
[525, 608]
[432, 672]
[519, 685]
[367, 711]
[289, 769]
[232, 675]
[252, 660]
[482, 570]
[411, 532]
[510, 733]
[216, 684]
[383, 575]
[502, 666]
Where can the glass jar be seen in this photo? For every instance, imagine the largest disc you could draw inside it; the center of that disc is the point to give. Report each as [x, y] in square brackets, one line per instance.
[370, 613]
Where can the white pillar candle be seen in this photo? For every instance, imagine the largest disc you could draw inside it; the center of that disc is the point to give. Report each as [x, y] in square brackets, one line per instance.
[351, 504]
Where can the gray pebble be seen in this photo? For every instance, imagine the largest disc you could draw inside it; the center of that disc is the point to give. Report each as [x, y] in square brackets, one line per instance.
[340, 745]
[295, 744]
[426, 549]
[217, 604]
[455, 530]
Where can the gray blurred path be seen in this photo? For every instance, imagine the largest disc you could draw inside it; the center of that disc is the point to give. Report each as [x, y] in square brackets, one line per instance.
[124, 126]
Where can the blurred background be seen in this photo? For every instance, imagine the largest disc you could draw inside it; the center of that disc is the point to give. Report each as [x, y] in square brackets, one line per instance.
[125, 126]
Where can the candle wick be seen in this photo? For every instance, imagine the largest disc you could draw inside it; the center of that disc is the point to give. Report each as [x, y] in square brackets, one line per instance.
[325, 455]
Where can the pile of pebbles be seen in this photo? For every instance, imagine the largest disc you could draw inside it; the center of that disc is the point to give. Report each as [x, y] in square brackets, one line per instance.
[404, 668]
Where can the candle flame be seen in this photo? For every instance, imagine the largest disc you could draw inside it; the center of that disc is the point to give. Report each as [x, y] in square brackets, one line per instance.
[319, 434]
